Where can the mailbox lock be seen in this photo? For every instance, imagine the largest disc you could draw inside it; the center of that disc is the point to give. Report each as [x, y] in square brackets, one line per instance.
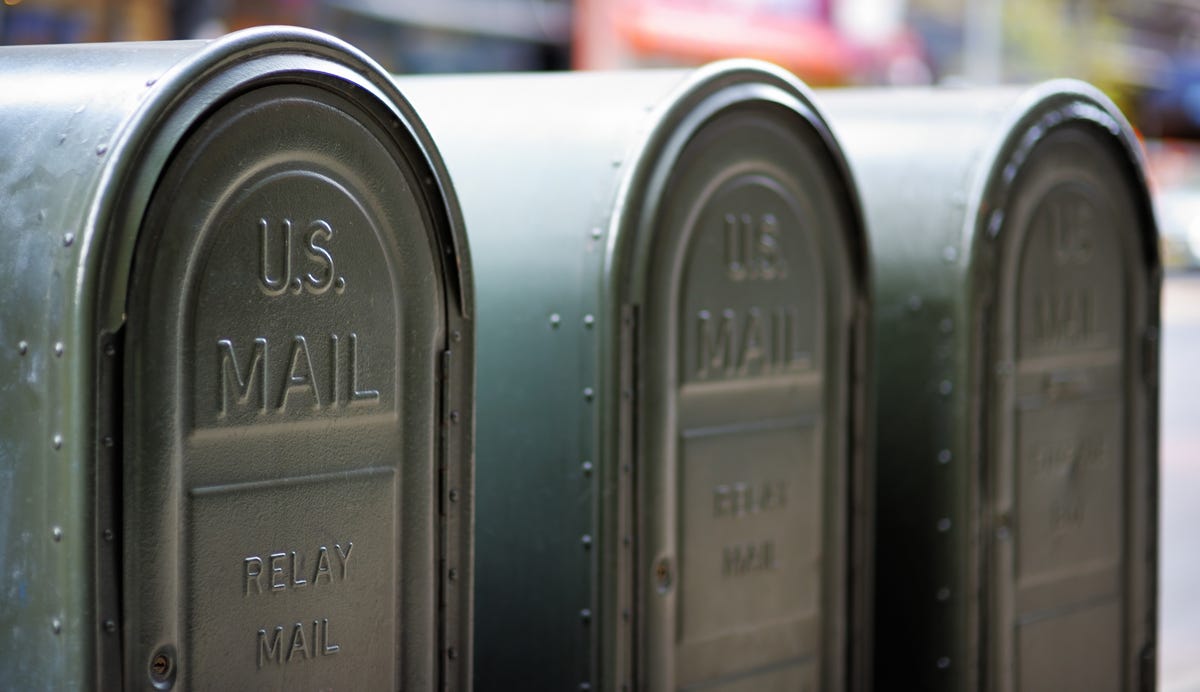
[162, 668]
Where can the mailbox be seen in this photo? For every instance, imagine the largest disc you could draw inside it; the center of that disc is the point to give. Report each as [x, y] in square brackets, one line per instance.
[1016, 283]
[237, 411]
[672, 284]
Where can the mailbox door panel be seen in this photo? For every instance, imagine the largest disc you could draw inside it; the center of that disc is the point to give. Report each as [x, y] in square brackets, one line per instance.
[746, 334]
[1066, 472]
[282, 404]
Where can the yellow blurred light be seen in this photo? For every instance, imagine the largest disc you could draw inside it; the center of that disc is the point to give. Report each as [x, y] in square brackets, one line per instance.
[10, 3]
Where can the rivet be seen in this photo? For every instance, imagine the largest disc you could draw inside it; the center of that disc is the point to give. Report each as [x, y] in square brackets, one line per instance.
[108, 535]
[23, 347]
[454, 416]
[107, 441]
[586, 540]
[947, 325]
[945, 456]
[297, 285]
[59, 349]
[453, 495]
[110, 626]
[101, 150]
[110, 349]
[57, 441]
[339, 286]
[585, 685]
[56, 533]
[151, 81]
[914, 303]
[555, 320]
[56, 626]
[943, 594]
[597, 232]
[452, 574]
[950, 253]
[589, 320]
[945, 387]
[68, 239]
[943, 524]
[452, 653]
[456, 336]
[587, 468]
[585, 615]
[943, 663]
[588, 393]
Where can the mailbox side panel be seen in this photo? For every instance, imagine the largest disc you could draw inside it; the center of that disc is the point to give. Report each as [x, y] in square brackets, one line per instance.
[537, 161]
[61, 109]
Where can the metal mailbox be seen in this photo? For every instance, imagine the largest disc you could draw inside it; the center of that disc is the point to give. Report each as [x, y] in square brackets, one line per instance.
[671, 273]
[1016, 286]
[236, 399]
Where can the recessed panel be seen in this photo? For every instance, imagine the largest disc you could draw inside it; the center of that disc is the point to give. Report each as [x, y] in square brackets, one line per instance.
[287, 357]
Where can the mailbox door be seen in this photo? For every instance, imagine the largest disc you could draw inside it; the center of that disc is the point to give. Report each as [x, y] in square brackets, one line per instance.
[286, 329]
[746, 334]
[1069, 480]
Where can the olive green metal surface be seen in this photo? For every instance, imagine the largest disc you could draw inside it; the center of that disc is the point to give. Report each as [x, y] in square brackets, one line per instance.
[236, 373]
[1016, 285]
[672, 283]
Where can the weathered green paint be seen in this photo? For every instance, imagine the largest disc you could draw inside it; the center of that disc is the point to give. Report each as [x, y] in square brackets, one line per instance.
[960, 189]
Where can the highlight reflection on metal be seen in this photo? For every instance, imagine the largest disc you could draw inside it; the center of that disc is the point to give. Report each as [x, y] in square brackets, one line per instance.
[235, 372]
[1016, 282]
[672, 283]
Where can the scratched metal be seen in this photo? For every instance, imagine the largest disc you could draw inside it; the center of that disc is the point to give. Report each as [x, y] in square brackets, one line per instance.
[671, 271]
[236, 373]
[1017, 281]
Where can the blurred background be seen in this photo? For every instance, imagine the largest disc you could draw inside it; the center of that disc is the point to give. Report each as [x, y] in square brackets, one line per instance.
[1144, 53]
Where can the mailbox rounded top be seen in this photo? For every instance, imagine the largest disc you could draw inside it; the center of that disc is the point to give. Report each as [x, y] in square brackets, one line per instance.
[731, 104]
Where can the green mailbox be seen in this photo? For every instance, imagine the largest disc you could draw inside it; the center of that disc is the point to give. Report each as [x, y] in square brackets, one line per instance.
[236, 369]
[1016, 283]
[671, 269]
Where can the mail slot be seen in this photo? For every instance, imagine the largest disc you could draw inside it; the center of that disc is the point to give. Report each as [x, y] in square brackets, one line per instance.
[236, 428]
[671, 273]
[1016, 282]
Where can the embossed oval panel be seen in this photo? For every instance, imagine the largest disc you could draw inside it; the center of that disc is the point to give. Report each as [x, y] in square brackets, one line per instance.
[282, 405]
[1064, 480]
[746, 329]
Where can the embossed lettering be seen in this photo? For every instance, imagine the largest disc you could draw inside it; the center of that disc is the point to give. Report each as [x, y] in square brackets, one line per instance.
[747, 558]
[1071, 231]
[304, 644]
[752, 248]
[323, 567]
[268, 647]
[300, 374]
[298, 643]
[742, 499]
[310, 380]
[1063, 317]
[754, 341]
[287, 569]
[253, 566]
[317, 280]
[319, 232]
[256, 373]
[277, 284]
[278, 582]
[1068, 458]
